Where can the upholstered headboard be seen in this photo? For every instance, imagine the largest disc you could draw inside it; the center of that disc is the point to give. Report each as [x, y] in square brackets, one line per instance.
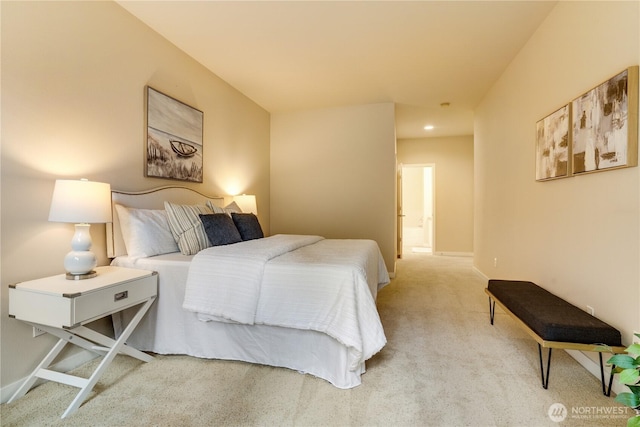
[149, 199]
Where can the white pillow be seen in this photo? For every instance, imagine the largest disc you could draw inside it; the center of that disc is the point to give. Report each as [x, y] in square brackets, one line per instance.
[231, 207]
[146, 232]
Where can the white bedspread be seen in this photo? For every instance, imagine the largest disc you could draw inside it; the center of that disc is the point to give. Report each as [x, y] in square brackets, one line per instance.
[224, 281]
[302, 282]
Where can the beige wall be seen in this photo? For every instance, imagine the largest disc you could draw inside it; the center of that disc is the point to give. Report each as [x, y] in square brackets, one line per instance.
[333, 174]
[578, 237]
[453, 159]
[73, 79]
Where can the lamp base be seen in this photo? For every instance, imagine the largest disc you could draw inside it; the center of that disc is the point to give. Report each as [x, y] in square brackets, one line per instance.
[80, 263]
[81, 276]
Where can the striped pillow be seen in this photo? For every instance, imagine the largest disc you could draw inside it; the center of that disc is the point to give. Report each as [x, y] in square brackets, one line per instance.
[186, 226]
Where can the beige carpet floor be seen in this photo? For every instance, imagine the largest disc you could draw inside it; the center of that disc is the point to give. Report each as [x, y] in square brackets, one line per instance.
[444, 365]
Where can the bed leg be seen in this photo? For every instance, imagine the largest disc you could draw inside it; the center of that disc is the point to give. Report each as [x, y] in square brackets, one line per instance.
[492, 309]
[606, 391]
[545, 378]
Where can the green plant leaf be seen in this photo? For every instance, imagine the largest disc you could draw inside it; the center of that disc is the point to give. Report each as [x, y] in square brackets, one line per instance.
[633, 421]
[628, 399]
[635, 389]
[633, 349]
[629, 376]
[622, 361]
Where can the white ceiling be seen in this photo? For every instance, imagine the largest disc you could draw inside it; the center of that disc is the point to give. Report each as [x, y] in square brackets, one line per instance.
[292, 55]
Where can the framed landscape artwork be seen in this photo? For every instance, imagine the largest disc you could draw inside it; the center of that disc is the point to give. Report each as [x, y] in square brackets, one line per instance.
[552, 145]
[605, 125]
[174, 138]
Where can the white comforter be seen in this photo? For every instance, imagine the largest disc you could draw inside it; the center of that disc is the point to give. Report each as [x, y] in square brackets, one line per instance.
[302, 282]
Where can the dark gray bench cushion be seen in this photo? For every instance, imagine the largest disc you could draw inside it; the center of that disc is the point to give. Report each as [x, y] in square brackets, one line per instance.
[551, 317]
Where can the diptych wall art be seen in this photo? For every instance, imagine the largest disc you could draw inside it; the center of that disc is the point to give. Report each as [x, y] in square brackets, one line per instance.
[174, 138]
[597, 131]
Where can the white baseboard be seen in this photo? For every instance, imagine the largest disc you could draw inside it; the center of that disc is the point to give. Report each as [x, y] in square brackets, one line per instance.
[464, 254]
[594, 368]
[481, 274]
[64, 365]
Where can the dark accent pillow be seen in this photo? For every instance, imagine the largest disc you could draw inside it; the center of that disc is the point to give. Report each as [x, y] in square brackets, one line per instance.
[220, 229]
[248, 225]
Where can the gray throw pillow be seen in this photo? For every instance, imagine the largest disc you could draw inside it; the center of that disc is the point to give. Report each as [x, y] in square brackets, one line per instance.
[248, 225]
[220, 229]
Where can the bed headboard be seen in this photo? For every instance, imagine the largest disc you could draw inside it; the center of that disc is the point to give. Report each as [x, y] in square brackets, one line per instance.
[150, 199]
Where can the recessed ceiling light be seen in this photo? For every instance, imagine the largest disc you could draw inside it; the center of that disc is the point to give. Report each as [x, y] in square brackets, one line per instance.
[428, 127]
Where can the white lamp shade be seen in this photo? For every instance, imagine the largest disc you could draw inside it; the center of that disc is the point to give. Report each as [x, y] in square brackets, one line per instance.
[246, 203]
[80, 201]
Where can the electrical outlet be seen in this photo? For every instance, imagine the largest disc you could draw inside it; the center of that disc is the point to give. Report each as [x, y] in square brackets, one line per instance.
[591, 311]
[37, 332]
[495, 262]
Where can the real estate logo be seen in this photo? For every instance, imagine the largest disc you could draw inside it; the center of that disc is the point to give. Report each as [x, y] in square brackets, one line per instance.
[557, 412]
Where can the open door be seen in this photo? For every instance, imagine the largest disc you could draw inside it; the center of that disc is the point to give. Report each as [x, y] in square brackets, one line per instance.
[416, 210]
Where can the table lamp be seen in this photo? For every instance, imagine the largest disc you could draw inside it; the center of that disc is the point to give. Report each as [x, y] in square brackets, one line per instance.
[81, 202]
[246, 203]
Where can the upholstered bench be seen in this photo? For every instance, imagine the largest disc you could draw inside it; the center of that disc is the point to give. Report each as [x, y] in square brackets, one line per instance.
[553, 322]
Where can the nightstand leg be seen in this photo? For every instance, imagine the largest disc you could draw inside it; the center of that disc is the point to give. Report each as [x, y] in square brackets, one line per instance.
[108, 358]
[69, 337]
[94, 336]
[28, 383]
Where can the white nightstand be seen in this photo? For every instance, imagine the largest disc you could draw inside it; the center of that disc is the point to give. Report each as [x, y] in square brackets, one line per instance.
[61, 307]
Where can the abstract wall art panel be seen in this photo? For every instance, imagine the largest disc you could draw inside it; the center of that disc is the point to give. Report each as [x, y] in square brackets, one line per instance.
[552, 145]
[605, 125]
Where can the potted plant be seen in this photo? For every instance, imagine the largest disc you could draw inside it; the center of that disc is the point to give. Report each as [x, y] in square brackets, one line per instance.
[628, 366]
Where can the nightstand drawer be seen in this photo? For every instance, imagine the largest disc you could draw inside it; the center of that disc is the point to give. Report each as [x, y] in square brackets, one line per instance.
[68, 304]
[97, 304]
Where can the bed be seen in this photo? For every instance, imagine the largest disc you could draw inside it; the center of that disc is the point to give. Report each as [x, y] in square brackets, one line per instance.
[300, 302]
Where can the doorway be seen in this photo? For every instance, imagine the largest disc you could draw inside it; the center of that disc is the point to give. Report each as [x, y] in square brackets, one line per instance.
[418, 208]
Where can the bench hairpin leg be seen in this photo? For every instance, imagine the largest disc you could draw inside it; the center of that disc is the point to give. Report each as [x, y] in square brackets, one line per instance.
[545, 378]
[607, 391]
[492, 309]
[610, 380]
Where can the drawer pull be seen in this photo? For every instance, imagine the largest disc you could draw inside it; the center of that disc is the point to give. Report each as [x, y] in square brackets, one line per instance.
[121, 295]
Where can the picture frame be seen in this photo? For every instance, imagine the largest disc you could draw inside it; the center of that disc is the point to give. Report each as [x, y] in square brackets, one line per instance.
[605, 125]
[553, 145]
[174, 140]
